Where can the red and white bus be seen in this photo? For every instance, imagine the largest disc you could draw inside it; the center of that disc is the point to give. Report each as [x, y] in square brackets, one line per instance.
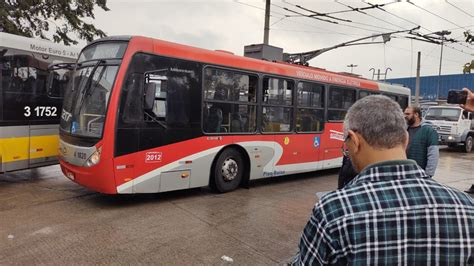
[144, 115]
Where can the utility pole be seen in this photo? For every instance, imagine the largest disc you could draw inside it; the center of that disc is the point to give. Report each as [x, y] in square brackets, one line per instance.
[266, 30]
[441, 34]
[351, 66]
[417, 83]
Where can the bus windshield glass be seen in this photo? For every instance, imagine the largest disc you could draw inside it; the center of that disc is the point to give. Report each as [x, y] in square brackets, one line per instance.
[88, 93]
[86, 100]
[448, 114]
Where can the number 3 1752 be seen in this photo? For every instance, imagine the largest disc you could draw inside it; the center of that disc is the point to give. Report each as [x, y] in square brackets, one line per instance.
[40, 111]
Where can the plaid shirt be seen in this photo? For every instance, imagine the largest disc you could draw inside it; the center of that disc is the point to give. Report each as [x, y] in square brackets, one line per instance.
[391, 213]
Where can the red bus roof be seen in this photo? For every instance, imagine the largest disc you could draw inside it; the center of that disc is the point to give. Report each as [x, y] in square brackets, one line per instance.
[138, 43]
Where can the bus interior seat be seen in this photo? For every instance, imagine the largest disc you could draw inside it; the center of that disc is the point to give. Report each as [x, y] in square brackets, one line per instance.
[236, 124]
[214, 120]
[307, 123]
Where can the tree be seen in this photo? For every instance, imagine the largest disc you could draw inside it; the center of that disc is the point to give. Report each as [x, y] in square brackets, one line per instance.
[468, 67]
[34, 18]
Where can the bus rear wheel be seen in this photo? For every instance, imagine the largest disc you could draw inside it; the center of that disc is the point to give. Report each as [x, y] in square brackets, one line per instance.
[228, 171]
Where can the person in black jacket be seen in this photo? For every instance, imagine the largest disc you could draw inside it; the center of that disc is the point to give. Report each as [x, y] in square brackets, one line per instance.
[347, 172]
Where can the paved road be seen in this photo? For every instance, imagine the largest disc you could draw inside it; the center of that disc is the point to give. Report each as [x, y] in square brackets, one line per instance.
[47, 219]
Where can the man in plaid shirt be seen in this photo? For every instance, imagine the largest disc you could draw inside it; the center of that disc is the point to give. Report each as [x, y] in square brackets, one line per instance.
[392, 212]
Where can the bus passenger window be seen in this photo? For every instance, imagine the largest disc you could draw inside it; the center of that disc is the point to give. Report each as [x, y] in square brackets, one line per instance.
[213, 119]
[229, 101]
[340, 99]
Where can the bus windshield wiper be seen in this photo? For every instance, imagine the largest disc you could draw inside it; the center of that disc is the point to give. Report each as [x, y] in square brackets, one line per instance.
[91, 77]
[92, 88]
[88, 84]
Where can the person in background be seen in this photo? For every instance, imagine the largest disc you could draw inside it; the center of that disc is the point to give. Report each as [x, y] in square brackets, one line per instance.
[423, 141]
[347, 172]
[392, 212]
[469, 106]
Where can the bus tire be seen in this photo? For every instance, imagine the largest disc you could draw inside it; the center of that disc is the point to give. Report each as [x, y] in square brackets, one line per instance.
[468, 143]
[228, 171]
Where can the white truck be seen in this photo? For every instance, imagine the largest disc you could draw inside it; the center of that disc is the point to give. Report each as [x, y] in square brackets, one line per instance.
[455, 126]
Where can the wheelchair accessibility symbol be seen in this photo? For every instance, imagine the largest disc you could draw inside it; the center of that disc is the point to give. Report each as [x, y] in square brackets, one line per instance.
[316, 142]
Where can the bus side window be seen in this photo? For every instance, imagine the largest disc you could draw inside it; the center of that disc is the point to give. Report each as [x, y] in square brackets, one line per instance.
[132, 102]
[403, 102]
[229, 101]
[340, 99]
[363, 94]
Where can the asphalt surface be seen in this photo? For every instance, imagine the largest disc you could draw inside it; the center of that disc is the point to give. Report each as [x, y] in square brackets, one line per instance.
[47, 219]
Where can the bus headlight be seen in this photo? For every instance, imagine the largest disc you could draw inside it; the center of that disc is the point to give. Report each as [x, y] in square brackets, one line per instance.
[94, 158]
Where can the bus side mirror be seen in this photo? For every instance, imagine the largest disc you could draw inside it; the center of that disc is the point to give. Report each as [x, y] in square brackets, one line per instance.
[51, 83]
[150, 90]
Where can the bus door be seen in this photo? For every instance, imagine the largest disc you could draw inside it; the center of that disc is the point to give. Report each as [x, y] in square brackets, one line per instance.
[310, 123]
[277, 119]
[143, 135]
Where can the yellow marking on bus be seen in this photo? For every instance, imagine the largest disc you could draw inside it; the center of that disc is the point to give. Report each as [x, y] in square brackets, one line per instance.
[44, 146]
[16, 149]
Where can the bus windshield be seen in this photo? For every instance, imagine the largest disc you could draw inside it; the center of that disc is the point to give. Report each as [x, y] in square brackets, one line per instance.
[87, 96]
[448, 114]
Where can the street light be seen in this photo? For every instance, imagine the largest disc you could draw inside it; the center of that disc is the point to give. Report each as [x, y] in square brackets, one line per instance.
[351, 66]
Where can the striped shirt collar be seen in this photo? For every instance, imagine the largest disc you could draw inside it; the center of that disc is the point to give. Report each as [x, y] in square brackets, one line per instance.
[389, 170]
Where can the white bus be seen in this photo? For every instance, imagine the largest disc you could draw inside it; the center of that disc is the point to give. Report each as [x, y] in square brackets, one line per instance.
[29, 107]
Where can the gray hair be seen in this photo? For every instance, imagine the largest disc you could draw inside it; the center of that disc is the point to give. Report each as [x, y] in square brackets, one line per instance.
[379, 120]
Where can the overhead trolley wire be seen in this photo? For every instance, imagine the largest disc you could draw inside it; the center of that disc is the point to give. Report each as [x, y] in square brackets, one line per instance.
[460, 9]
[335, 22]
[283, 16]
[372, 6]
[432, 13]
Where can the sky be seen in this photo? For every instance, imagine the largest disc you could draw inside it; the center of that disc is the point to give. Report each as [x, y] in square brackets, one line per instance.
[232, 24]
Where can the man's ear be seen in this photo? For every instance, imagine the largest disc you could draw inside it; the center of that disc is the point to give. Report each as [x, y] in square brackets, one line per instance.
[417, 115]
[354, 141]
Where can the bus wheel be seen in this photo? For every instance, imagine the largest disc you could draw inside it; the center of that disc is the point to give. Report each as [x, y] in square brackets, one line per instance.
[468, 144]
[228, 171]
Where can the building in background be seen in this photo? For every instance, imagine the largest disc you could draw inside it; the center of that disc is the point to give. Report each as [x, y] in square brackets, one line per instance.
[429, 84]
